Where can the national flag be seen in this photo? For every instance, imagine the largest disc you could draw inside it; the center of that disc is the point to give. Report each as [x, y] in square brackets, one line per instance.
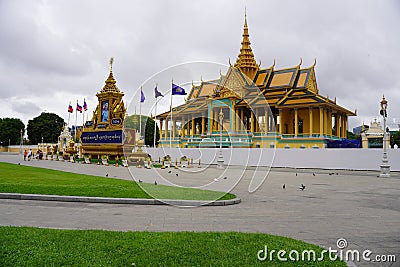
[177, 90]
[142, 97]
[84, 104]
[70, 109]
[157, 93]
[78, 107]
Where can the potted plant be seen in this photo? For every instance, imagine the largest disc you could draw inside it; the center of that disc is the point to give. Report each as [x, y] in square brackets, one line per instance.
[104, 160]
[87, 159]
[184, 162]
[124, 161]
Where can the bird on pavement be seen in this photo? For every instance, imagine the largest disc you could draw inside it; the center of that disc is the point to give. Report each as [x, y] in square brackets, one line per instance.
[106, 174]
[302, 187]
[225, 178]
[155, 182]
[296, 173]
[169, 171]
[177, 174]
[283, 186]
[140, 181]
[313, 174]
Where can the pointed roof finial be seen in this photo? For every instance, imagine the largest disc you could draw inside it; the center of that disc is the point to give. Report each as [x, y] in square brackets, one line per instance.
[111, 62]
[110, 85]
[245, 17]
[245, 60]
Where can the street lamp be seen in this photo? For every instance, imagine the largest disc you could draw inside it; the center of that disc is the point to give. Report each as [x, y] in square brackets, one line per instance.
[220, 160]
[385, 167]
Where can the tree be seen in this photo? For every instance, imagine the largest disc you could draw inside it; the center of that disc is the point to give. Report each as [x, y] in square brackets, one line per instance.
[46, 125]
[395, 139]
[10, 131]
[132, 121]
[352, 136]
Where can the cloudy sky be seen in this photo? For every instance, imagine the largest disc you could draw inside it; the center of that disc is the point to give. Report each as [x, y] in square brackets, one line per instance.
[53, 52]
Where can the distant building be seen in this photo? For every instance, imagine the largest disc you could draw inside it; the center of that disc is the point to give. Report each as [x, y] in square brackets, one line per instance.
[373, 137]
[359, 129]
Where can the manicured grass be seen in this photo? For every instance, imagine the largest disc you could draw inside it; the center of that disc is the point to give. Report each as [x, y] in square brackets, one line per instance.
[25, 246]
[32, 180]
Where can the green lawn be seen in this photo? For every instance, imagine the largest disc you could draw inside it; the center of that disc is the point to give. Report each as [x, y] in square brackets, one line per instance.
[24, 246]
[31, 180]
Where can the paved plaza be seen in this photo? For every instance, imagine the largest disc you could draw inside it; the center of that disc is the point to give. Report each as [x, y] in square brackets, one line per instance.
[355, 205]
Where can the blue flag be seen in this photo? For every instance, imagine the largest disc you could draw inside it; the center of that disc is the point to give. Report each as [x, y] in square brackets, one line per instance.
[157, 93]
[142, 97]
[177, 90]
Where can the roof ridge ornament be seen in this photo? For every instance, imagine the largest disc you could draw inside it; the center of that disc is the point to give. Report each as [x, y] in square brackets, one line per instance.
[315, 63]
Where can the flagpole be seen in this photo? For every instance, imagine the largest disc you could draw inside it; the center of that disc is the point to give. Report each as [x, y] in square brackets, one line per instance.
[155, 125]
[140, 112]
[83, 114]
[76, 117]
[69, 114]
[170, 137]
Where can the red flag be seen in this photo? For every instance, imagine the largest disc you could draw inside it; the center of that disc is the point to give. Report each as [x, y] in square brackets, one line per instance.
[70, 109]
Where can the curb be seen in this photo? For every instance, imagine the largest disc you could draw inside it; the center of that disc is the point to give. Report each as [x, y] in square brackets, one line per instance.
[134, 201]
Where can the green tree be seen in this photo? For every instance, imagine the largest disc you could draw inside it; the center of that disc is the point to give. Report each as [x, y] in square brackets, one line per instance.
[395, 139]
[132, 121]
[10, 131]
[352, 136]
[46, 125]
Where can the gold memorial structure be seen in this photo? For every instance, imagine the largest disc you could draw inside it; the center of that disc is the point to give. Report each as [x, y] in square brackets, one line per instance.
[105, 133]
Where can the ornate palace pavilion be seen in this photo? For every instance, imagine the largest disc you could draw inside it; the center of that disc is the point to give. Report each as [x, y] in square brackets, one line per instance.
[260, 107]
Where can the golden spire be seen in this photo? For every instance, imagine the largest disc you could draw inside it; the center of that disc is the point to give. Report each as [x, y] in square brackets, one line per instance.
[110, 85]
[245, 61]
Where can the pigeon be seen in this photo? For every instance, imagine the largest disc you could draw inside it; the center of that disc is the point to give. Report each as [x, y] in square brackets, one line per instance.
[331, 173]
[225, 178]
[155, 182]
[140, 181]
[169, 171]
[107, 175]
[19, 163]
[313, 174]
[177, 174]
[302, 187]
[296, 173]
[283, 186]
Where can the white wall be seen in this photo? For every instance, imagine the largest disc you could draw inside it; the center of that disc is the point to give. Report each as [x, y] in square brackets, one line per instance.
[352, 159]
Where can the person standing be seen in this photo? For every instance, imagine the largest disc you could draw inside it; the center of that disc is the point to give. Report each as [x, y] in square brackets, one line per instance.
[25, 154]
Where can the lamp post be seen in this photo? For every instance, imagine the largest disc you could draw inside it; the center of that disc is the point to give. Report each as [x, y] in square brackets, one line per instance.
[20, 144]
[385, 167]
[220, 160]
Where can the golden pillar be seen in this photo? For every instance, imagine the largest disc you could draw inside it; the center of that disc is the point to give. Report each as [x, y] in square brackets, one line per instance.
[161, 123]
[173, 128]
[257, 128]
[233, 117]
[241, 118]
[310, 114]
[325, 121]
[321, 121]
[192, 132]
[210, 126]
[252, 122]
[266, 120]
[280, 121]
[296, 122]
[183, 126]
[330, 122]
[339, 126]
[203, 124]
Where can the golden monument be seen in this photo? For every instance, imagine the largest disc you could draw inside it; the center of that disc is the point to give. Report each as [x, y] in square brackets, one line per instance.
[262, 107]
[105, 133]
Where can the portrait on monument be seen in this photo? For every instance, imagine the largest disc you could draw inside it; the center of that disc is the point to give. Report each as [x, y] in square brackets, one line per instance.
[104, 111]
